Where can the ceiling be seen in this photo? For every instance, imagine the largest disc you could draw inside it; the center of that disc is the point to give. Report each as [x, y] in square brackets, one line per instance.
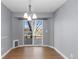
[40, 6]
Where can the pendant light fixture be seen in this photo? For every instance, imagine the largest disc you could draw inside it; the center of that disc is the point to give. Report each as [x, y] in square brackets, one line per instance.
[30, 15]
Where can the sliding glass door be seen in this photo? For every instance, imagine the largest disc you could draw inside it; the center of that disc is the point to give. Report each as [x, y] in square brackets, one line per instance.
[33, 32]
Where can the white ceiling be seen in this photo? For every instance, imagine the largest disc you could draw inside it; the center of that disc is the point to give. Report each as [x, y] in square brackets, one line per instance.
[37, 5]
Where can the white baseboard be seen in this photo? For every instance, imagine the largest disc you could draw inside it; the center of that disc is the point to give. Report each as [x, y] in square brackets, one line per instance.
[11, 49]
[65, 57]
[19, 46]
[6, 53]
[51, 47]
[59, 52]
[34, 45]
[30, 45]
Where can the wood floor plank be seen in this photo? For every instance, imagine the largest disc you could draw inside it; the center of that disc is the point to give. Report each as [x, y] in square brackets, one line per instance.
[33, 53]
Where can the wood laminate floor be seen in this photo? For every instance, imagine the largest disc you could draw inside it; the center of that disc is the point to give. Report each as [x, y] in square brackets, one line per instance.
[33, 53]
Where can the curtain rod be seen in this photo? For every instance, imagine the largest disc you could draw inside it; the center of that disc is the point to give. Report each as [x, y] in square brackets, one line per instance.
[21, 18]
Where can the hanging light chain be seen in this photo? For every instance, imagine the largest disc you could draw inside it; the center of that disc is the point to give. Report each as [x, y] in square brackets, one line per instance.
[30, 9]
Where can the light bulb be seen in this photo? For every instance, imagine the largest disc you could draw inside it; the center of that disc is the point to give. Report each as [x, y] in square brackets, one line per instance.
[25, 15]
[29, 18]
[34, 16]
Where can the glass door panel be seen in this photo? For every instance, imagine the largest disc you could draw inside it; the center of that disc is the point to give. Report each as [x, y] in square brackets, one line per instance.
[27, 33]
[33, 32]
[38, 32]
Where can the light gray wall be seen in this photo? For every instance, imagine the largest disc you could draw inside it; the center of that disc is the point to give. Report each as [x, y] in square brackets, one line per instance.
[17, 27]
[17, 30]
[6, 41]
[49, 31]
[66, 29]
[51, 28]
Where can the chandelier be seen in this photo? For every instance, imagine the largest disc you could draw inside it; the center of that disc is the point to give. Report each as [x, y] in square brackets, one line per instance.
[30, 15]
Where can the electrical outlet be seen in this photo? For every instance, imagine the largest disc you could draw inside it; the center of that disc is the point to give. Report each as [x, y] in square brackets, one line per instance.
[71, 56]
